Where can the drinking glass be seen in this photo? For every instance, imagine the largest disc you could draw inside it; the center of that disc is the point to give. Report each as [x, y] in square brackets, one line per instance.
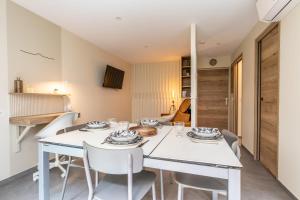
[123, 125]
[179, 127]
[113, 122]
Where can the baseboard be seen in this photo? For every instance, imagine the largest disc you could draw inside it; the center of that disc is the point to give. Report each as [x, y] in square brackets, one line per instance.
[21, 174]
[17, 176]
[247, 151]
[288, 191]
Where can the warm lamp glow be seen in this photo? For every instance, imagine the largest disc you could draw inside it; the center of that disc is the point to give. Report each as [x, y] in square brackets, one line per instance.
[173, 94]
[59, 87]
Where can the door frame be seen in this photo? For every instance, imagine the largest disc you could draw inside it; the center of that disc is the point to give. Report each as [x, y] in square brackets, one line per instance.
[234, 116]
[257, 94]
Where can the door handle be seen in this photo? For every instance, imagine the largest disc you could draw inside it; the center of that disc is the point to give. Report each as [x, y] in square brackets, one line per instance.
[261, 99]
[226, 101]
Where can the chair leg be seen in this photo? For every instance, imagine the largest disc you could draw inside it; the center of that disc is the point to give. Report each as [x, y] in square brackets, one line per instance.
[57, 164]
[162, 196]
[96, 179]
[63, 174]
[171, 178]
[180, 192]
[35, 176]
[153, 192]
[215, 196]
[66, 178]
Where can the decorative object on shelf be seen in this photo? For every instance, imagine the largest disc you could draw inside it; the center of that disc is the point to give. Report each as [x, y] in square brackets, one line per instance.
[185, 76]
[18, 85]
[37, 54]
[172, 107]
[55, 91]
[213, 62]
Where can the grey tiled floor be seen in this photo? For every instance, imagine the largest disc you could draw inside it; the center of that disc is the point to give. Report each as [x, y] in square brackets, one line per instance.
[257, 184]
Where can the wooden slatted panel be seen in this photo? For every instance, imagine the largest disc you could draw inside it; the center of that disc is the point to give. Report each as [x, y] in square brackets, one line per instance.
[269, 100]
[212, 94]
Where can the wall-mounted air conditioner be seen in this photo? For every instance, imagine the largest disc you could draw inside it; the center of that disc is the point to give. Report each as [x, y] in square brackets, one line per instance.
[274, 10]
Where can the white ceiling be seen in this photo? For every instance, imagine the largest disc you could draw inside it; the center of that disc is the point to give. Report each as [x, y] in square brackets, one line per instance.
[152, 30]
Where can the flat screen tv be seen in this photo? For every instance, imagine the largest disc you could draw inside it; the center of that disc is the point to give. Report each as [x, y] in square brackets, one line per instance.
[113, 77]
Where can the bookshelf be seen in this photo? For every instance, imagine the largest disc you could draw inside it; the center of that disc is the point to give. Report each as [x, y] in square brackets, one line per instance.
[186, 77]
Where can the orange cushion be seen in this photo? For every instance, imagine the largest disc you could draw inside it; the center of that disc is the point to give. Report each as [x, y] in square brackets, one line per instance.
[181, 117]
[185, 105]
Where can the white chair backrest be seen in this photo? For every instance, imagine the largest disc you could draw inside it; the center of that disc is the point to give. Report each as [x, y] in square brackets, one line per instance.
[114, 161]
[236, 149]
[61, 122]
[233, 141]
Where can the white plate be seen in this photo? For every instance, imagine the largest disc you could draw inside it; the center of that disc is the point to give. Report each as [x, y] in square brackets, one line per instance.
[206, 132]
[124, 135]
[149, 122]
[97, 124]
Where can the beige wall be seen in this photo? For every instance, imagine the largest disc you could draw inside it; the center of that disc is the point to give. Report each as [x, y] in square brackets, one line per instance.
[29, 32]
[78, 62]
[289, 97]
[4, 104]
[289, 110]
[247, 48]
[223, 62]
[83, 67]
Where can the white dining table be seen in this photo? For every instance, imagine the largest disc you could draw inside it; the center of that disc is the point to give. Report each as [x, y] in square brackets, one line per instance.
[165, 151]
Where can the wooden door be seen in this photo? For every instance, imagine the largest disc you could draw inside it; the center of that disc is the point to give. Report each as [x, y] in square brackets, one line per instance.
[213, 98]
[269, 83]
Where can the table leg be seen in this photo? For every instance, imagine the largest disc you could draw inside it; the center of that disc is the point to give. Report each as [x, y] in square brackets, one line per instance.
[162, 196]
[43, 167]
[234, 184]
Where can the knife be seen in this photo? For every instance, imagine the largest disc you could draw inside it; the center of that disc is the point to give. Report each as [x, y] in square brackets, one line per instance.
[142, 144]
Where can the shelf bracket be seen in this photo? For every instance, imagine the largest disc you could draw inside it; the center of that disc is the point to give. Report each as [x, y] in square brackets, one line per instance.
[20, 135]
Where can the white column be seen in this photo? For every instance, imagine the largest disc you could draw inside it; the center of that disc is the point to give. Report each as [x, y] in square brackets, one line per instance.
[193, 75]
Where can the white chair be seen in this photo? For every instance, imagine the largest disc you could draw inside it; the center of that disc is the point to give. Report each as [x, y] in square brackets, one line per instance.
[215, 185]
[124, 175]
[62, 122]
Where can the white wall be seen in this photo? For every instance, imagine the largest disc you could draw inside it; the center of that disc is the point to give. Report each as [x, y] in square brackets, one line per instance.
[83, 67]
[152, 88]
[247, 48]
[29, 32]
[223, 62]
[4, 103]
[77, 61]
[289, 137]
